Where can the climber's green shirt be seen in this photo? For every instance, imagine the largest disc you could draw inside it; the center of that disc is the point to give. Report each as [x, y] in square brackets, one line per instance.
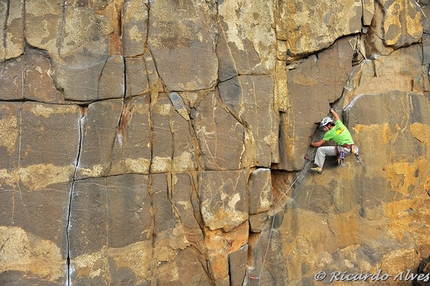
[339, 134]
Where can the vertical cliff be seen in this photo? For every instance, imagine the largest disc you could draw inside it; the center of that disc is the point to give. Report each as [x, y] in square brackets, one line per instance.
[162, 142]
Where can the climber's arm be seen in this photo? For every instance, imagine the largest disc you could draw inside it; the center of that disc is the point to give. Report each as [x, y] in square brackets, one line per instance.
[318, 143]
[335, 115]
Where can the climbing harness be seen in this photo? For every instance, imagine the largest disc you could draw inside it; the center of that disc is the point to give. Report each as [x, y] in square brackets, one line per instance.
[340, 153]
[273, 222]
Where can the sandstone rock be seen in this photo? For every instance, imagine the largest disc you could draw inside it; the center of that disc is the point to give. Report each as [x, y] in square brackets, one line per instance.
[83, 30]
[42, 22]
[223, 151]
[368, 11]
[397, 261]
[402, 69]
[9, 133]
[98, 128]
[80, 80]
[129, 210]
[185, 199]
[38, 82]
[11, 81]
[248, 99]
[161, 142]
[29, 77]
[248, 37]
[173, 256]
[111, 79]
[30, 259]
[374, 42]
[368, 205]
[52, 152]
[183, 141]
[312, 86]
[183, 157]
[97, 5]
[104, 232]
[401, 24]
[184, 50]
[136, 76]
[226, 65]
[184, 269]
[257, 221]
[257, 257]
[426, 52]
[34, 158]
[218, 259]
[237, 264]
[134, 26]
[424, 271]
[79, 54]
[154, 80]
[162, 153]
[125, 253]
[223, 199]
[100, 78]
[280, 92]
[131, 151]
[260, 191]
[176, 153]
[164, 218]
[224, 249]
[12, 27]
[112, 11]
[424, 8]
[311, 27]
[36, 173]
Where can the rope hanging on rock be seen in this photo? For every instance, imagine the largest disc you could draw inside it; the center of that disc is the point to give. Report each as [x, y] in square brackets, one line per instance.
[273, 222]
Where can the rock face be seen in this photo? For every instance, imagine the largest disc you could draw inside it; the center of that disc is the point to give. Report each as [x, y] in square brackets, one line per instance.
[163, 142]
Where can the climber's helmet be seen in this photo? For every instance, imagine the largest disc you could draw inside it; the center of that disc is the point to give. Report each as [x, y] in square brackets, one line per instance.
[325, 121]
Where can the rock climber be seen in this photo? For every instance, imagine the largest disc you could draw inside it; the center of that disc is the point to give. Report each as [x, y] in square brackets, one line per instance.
[336, 131]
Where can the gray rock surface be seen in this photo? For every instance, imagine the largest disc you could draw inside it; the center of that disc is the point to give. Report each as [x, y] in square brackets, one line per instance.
[162, 142]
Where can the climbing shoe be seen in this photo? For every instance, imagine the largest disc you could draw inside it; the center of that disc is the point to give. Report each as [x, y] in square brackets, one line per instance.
[317, 170]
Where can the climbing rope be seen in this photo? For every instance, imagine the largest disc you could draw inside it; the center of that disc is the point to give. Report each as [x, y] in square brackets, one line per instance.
[273, 222]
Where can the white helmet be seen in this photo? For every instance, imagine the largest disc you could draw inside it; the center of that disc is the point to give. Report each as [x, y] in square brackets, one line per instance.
[325, 121]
